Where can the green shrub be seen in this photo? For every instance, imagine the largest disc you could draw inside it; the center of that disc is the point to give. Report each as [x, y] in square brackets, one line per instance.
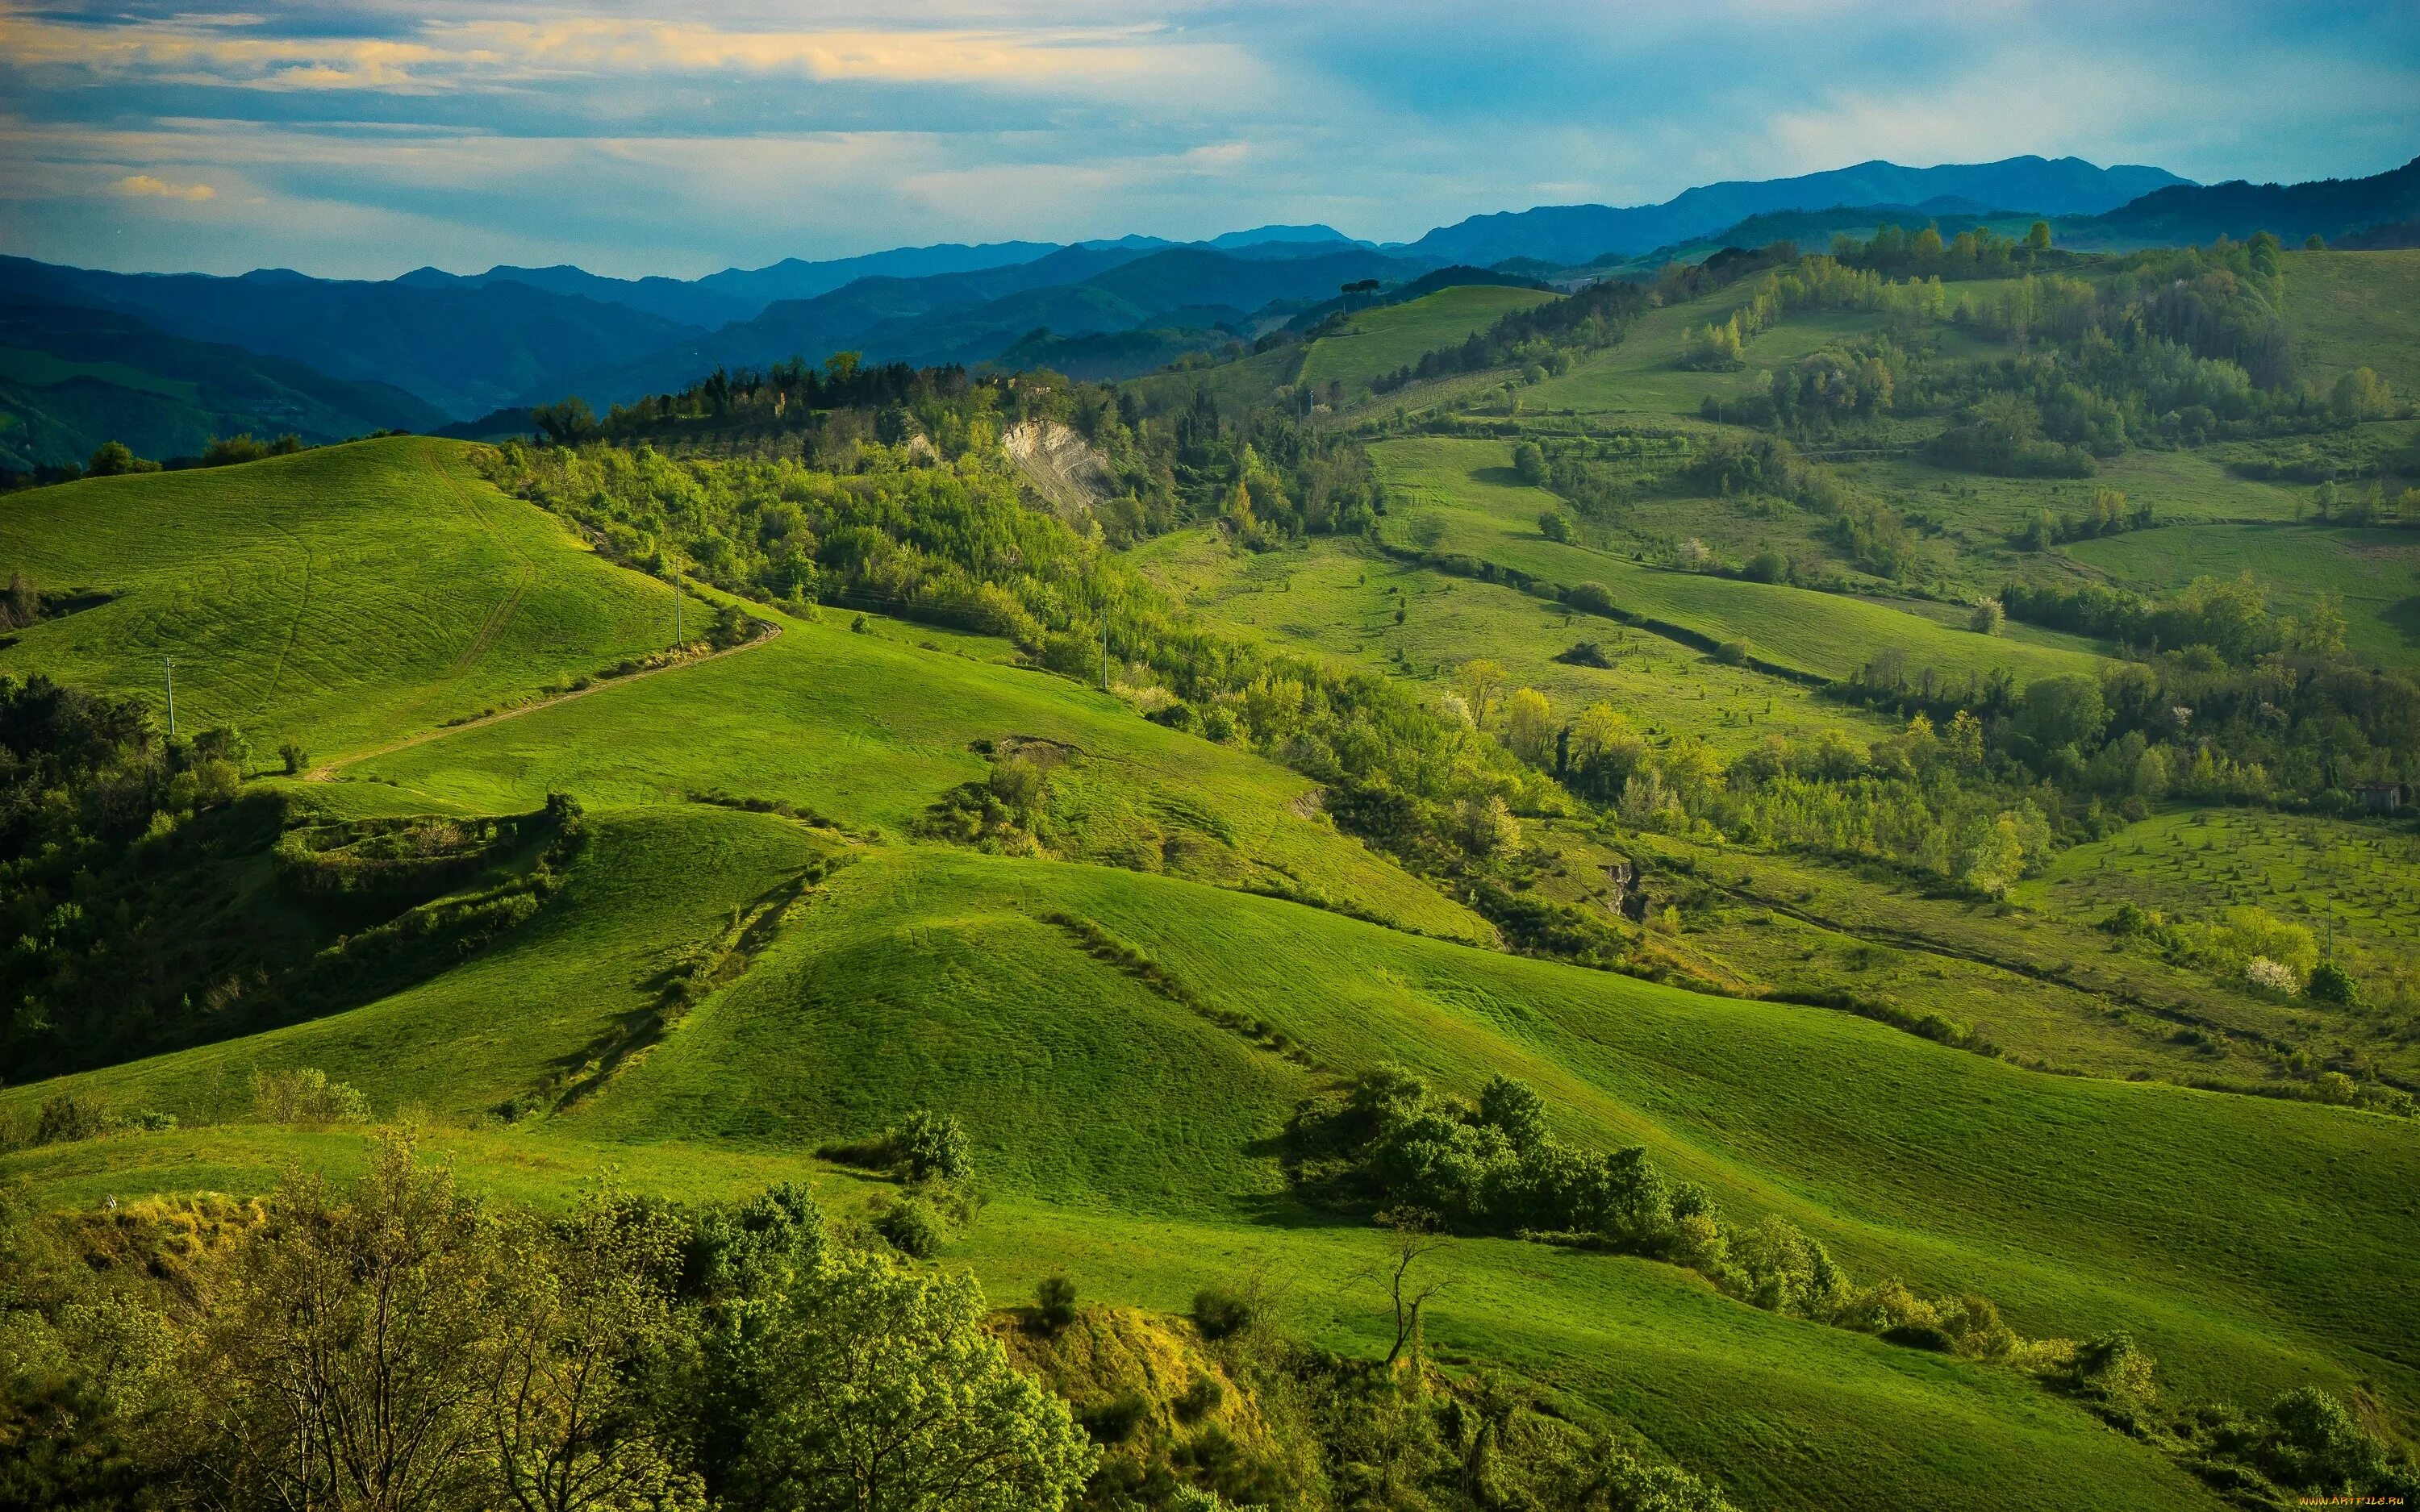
[1732, 653]
[933, 1147]
[305, 1095]
[68, 1117]
[1054, 1303]
[911, 1228]
[292, 754]
[1589, 598]
[1200, 1399]
[1115, 1420]
[1222, 1312]
[2333, 983]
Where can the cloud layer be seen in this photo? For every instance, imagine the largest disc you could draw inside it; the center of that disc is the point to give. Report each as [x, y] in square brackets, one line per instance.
[365, 139]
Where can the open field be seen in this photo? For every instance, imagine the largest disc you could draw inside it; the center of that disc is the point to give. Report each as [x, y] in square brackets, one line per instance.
[1339, 601]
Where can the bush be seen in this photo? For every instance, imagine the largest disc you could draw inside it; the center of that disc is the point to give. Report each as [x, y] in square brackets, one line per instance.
[1554, 525]
[932, 1147]
[1200, 1399]
[305, 1095]
[68, 1117]
[294, 756]
[1590, 598]
[1732, 653]
[113, 459]
[1054, 1303]
[2333, 983]
[1530, 463]
[1114, 1421]
[912, 1228]
[1222, 1312]
[1989, 618]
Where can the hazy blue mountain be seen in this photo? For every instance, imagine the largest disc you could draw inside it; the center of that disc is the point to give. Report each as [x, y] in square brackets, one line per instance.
[1575, 233]
[464, 348]
[72, 377]
[669, 299]
[795, 278]
[2329, 207]
[973, 318]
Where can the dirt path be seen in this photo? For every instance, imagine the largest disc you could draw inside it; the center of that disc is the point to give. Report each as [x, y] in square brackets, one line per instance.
[328, 772]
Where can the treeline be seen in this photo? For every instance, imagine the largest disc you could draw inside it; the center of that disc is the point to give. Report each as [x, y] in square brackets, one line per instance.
[1979, 253]
[115, 459]
[1599, 315]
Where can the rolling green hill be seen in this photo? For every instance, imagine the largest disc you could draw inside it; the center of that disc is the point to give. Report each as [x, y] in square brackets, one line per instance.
[349, 594]
[1377, 342]
[1488, 514]
[1123, 920]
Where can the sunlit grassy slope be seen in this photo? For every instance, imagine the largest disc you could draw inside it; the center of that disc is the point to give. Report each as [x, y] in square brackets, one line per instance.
[1377, 342]
[1488, 512]
[347, 594]
[1123, 1137]
[870, 732]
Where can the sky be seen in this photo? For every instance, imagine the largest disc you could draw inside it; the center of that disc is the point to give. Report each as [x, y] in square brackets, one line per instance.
[362, 140]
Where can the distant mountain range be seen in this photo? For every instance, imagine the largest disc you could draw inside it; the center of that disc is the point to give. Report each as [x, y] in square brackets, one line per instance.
[72, 377]
[327, 357]
[1572, 234]
[2330, 208]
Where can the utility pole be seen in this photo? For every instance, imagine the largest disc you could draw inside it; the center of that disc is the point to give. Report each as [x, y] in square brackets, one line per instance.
[170, 662]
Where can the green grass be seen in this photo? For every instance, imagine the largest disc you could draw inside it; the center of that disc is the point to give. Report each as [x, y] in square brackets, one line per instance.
[2242, 1239]
[349, 594]
[1378, 341]
[870, 732]
[2370, 570]
[2302, 867]
[2355, 309]
[1339, 600]
[1491, 514]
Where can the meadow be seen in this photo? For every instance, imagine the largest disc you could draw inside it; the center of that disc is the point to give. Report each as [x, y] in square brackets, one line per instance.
[1376, 343]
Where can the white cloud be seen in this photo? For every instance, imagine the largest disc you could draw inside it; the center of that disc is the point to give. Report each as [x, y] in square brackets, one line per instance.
[143, 186]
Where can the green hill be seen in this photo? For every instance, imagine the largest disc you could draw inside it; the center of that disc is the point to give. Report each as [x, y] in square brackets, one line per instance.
[349, 594]
[2356, 308]
[1376, 343]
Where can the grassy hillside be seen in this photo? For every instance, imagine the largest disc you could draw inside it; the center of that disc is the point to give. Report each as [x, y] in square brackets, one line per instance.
[2371, 571]
[2356, 308]
[922, 978]
[348, 595]
[1487, 513]
[1377, 342]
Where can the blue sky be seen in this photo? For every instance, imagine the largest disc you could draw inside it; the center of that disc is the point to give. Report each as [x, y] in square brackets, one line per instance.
[367, 139]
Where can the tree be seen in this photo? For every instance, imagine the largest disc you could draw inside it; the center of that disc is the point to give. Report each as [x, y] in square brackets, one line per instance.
[1482, 679]
[1989, 618]
[1529, 725]
[342, 1362]
[1414, 1234]
[111, 459]
[1554, 525]
[879, 1391]
[1485, 826]
[587, 1316]
[567, 422]
[2064, 711]
[2038, 236]
[1529, 463]
[291, 752]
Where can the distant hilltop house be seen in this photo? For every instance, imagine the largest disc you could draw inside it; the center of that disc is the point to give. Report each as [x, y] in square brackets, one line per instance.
[2379, 797]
